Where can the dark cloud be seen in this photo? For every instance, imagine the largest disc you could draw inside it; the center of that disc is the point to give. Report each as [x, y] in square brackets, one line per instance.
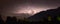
[8, 6]
[44, 3]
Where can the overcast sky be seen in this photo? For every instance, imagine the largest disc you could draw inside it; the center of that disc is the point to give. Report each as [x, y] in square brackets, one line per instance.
[17, 6]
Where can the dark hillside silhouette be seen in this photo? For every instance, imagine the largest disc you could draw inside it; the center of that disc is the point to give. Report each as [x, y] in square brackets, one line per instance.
[54, 13]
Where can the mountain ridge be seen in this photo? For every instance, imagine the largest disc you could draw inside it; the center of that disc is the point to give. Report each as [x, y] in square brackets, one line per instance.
[44, 14]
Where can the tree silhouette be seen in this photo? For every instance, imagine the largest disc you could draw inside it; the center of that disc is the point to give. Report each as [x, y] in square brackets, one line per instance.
[1, 20]
[14, 20]
[19, 22]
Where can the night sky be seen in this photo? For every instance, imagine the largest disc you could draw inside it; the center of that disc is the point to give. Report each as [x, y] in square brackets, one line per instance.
[31, 7]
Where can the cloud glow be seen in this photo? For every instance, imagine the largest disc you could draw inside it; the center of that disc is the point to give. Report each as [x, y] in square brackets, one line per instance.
[30, 10]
